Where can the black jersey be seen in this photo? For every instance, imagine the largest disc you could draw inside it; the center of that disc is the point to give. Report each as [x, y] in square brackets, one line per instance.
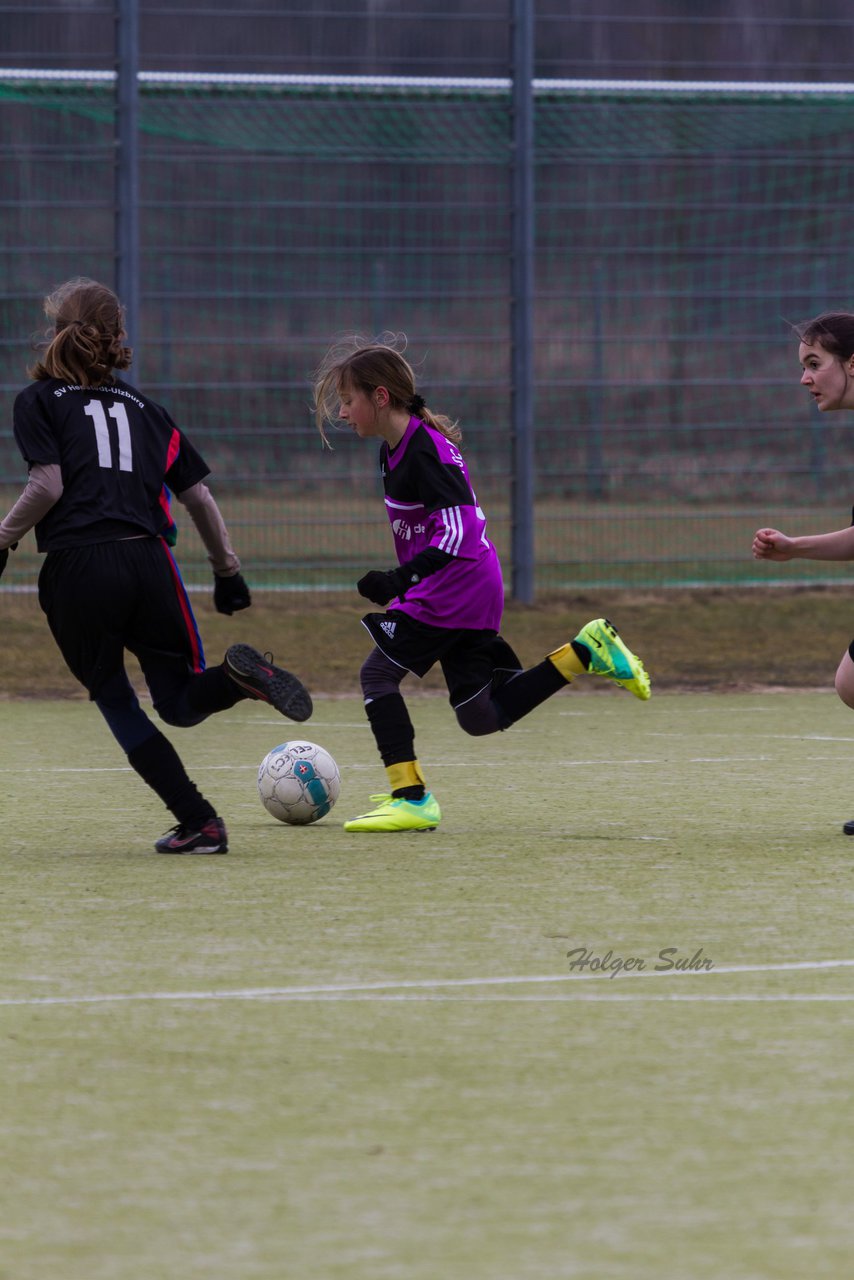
[120, 454]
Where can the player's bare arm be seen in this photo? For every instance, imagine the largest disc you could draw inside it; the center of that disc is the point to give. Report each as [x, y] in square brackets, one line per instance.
[771, 544]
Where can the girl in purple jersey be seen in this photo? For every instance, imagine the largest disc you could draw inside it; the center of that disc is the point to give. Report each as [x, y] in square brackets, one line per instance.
[103, 459]
[445, 596]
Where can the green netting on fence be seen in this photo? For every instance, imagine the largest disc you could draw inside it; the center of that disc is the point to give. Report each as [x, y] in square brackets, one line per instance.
[676, 238]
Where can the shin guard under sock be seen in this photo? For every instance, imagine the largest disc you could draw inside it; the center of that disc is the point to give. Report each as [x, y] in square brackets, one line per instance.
[524, 692]
[158, 764]
[392, 728]
[395, 739]
[213, 690]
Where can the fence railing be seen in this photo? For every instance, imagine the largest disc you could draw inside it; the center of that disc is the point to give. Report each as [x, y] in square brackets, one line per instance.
[676, 230]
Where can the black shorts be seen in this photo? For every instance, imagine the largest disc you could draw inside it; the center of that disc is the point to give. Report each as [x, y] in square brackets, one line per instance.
[470, 660]
[103, 599]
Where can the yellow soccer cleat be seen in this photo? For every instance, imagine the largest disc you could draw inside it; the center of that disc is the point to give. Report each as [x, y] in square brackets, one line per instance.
[611, 658]
[398, 815]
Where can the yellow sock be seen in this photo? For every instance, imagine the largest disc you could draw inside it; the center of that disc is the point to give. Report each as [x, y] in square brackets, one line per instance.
[567, 662]
[406, 774]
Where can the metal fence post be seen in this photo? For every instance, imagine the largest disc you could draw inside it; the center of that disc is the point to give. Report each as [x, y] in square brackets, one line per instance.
[126, 182]
[522, 514]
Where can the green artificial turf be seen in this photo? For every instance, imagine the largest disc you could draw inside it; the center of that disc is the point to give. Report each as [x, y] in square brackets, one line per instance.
[328, 1055]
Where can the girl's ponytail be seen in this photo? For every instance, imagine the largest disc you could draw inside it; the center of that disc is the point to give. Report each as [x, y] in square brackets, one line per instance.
[365, 365]
[87, 339]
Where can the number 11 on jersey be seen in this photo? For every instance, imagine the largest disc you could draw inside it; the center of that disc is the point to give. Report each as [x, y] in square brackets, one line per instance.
[95, 410]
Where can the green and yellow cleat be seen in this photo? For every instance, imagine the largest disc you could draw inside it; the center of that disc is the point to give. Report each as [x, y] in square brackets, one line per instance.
[398, 815]
[611, 658]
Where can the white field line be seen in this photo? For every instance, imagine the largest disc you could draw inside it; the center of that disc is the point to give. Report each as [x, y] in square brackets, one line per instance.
[433, 764]
[336, 990]
[697, 997]
[808, 737]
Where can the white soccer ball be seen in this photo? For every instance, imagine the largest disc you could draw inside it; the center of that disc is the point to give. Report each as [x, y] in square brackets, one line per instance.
[298, 782]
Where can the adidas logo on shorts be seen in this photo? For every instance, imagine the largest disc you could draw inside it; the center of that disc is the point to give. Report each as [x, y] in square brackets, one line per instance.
[389, 628]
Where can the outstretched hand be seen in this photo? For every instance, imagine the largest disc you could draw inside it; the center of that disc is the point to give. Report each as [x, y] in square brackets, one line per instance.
[770, 544]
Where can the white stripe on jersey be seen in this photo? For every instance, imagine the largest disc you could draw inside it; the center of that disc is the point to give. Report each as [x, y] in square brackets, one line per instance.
[404, 506]
[453, 535]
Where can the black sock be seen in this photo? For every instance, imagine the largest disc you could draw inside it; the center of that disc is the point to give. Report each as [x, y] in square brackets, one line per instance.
[213, 690]
[417, 792]
[582, 653]
[392, 727]
[158, 763]
[519, 696]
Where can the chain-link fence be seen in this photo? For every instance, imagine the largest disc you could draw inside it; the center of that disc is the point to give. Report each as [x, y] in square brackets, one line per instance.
[677, 231]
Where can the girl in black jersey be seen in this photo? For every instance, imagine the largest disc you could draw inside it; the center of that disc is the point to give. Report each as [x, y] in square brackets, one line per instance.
[103, 460]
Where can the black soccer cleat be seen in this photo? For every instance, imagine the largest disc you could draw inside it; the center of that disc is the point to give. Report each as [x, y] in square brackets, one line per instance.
[848, 827]
[257, 676]
[211, 837]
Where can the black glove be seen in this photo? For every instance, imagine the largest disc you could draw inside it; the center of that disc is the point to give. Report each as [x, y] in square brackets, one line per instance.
[231, 594]
[380, 587]
[4, 556]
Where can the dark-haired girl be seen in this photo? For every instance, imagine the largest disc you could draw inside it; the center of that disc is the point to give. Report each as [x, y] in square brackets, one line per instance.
[826, 354]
